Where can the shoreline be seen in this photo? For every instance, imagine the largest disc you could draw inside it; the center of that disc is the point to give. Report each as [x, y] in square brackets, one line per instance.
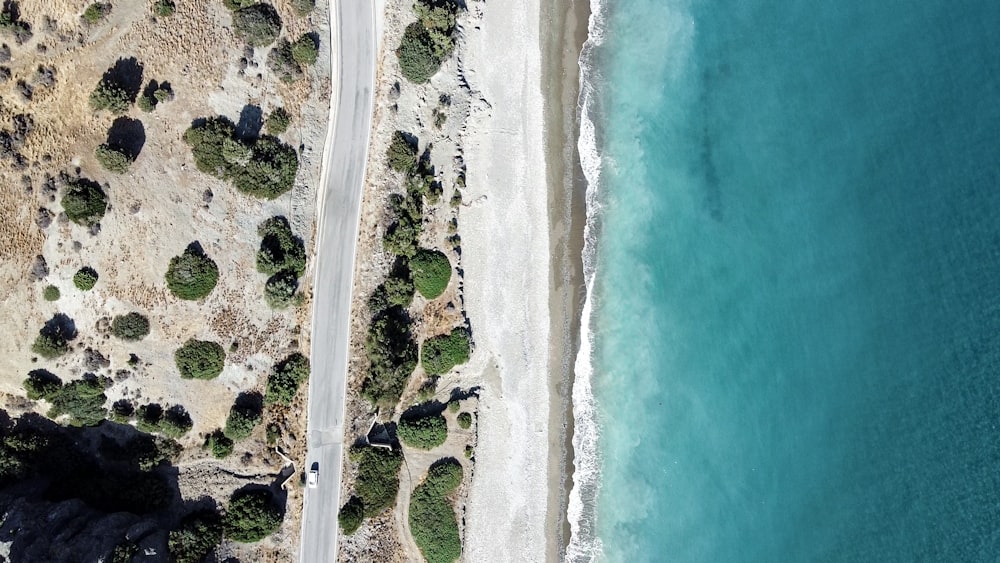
[567, 219]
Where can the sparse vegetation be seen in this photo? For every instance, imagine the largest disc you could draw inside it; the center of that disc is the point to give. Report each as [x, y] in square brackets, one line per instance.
[220, 446]
[153, 95]
[257, 24]
[96, 12]
[445, 351]
[84, 201]
[392, 354]
[252, 515]
[51, 293]
[83, 400]
[197, 536]
[431, 272]
[41, 384]
[200, 359]
[280, 249]
[164, 8]
[305, 49]
[263, 168]
[426, 432]
[113, 159]
[464, 420]
[402, 152]
[351, 515]
[285, 379]
[281, 61]
[378, 477]
[432, 517]
[130, 327]
[277, 121]
[111, 96]
[85, 278]
[10, 23]
[244, 416]
[192, 275]
[303, 7]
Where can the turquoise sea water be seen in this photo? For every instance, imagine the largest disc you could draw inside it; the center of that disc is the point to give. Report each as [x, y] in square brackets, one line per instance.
[795, 320]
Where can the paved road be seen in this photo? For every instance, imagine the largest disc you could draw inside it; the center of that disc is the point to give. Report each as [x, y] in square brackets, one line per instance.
[352, 25]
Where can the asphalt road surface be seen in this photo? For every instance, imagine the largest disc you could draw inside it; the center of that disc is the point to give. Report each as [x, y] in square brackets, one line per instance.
[353, 69]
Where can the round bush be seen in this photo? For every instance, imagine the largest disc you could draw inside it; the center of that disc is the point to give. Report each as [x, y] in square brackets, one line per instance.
[464, 420]
[417, 60]
[85, 278]
[351, 515]
[131, 327]
[84, 202]
[425, 433]
[192, 275]
[443, 352]
[431, 272]
[252, 515]
[113, 159]
[258, 25]
[51, 293]
[278, 121]
[200, 359]
[305, 50]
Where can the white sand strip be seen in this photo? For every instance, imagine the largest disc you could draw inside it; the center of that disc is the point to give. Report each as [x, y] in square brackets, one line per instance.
[505, 243]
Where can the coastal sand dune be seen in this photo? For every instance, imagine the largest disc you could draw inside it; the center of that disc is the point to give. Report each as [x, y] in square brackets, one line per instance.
[506, 258]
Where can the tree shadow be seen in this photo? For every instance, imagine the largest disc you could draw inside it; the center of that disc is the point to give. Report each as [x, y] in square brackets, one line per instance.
[126, 73]
[60, 326]
[251, 121]
[433, 407]
[195, 248]
[249, 402]
[459, 394]
[127, 134]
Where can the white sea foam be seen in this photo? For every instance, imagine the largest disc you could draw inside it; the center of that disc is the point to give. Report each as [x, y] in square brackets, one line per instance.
[584, 544]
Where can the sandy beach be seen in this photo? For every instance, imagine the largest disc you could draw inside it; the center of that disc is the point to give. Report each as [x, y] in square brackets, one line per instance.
[522, 252]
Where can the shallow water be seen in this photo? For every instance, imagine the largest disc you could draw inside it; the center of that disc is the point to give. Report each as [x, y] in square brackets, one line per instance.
[796, 305]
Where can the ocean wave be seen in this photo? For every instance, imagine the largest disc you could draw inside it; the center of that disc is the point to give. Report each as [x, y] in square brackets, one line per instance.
[584, 544]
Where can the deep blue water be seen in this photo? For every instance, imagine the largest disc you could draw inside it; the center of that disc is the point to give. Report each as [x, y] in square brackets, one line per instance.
[796, 317]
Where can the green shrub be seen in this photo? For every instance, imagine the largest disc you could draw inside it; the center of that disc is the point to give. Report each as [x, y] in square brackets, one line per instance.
[131, 327]
[113, 159]
[285, 379]
[146, 103]
[252, 515]
[219, 444]
[417, 60]
[124, 552]
[378, 477]
[200, 359]
[272, 432]
[279, 290]
[192, 275]
[83, 400]
[176, 422]
[51, 293]
[84, 202]
[303, 7]
[164, 8]
[197, 536]
[431, 272]
[305, 49]
[432, 518]
[425, 433]
[280, 249]
[53, 338]
[264, 168]
[399, 288]
[244, 416]
[96, 12]
[237, 4]
[85, 278]
[10, 23]
[351, 515]
[281, 61]
[403, 235]
[464, 420]
[392, 356]
[122, 411]
[41, 384]
[445, 351]
[257, 24]
[111, 96]
[402, 153]
[277, 122]
[454, 405]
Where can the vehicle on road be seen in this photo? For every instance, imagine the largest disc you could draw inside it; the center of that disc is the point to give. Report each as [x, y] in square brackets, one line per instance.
[312, 478]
